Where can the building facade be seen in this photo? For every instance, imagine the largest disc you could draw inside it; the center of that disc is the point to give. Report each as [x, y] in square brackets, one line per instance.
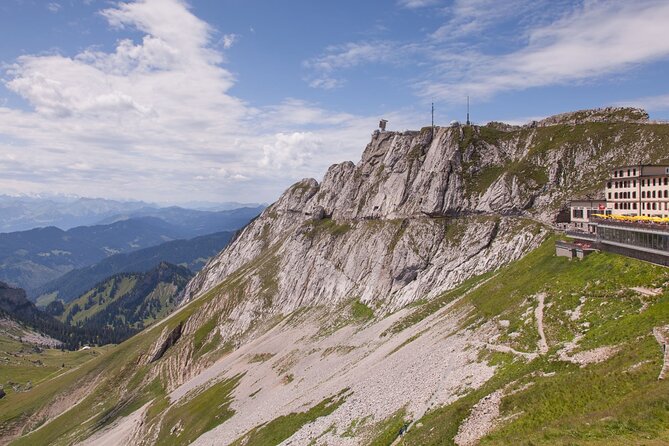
[638, 190]
[642, 240]
[581, 212]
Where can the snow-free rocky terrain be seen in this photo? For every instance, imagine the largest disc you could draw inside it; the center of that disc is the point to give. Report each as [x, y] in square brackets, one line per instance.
[412, 297]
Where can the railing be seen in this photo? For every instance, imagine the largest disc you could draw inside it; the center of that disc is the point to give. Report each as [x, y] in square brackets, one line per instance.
[581, 235]
[639, 224]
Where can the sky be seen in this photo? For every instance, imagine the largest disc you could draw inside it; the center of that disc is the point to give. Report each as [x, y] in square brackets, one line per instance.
[171, 101]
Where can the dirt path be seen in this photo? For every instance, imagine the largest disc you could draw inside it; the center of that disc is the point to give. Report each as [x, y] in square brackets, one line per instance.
[542, 345]
[481, 420]
[661, 337]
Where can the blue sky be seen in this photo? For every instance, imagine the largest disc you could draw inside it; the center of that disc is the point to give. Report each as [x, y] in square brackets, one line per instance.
[171, 101]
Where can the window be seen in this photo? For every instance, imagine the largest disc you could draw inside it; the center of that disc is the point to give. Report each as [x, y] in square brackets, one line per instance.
[634, 194]
[620, 174]
[615, 174]
[609, 195]
[643, 194]
[628, 172]
[615, 206]
[634, 173]
[577, 213]
[616, 195]
[633, 205]
[653, 181]
[666, 181]
[654, 206]
[666, 194]
[608, 185]
[643, 182]
[654, 194]
[634, 183]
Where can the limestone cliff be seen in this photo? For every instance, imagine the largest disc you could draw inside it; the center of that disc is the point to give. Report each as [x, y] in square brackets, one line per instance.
[420, 213]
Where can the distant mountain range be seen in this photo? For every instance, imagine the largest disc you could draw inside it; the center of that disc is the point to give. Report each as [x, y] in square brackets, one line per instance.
[30, 259]
[191, 254]
[191, 221]
[25, 212]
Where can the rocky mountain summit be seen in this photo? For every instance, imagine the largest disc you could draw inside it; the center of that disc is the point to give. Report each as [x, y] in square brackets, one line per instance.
[421, 212]
[415, 292]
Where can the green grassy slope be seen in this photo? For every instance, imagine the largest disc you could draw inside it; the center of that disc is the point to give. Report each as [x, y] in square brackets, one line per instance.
[617, 401]
[23, 366]
[120, 380]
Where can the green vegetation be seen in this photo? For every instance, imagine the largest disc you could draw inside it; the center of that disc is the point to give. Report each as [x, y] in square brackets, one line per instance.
[530, 169]
[422, 309]
[279, 429]
[26, 366]
[361, 312]
[202, 333]
[617, 401]
[46, 299]
[260, 357]
[185, 421]
[326, 226]
[386, 431]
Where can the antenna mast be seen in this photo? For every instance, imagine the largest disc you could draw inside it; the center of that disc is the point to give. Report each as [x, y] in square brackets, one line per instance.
[468, 123]
[433, 120]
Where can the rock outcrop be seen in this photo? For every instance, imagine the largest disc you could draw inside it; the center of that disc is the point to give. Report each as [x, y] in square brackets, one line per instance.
[420, 213]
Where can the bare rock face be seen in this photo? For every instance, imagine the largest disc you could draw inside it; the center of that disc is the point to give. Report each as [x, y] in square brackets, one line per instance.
[166, 340]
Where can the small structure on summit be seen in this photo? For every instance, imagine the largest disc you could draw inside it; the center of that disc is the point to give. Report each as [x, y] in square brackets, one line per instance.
[382, 125]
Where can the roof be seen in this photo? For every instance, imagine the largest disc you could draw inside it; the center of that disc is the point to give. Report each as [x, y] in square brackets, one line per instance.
[630, 166]
[598, 201]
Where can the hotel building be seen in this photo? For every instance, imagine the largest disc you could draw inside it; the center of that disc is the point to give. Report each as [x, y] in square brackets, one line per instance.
[638, 190]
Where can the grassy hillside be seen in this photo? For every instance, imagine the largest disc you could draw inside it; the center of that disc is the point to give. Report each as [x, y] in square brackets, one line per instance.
[23, 366]
[617, 401]
[547, 399]
[126, 303]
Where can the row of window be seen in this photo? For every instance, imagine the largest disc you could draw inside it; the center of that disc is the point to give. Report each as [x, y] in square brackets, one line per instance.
[628, 206]
[620, 173]
[644, 194]
[578, 213]
[652, 206]
[623, 195]
[658, 242]
[644, 183]
[644, 205]
[660, 193]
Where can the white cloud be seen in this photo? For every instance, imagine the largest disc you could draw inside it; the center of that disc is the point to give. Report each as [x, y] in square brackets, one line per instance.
[154, 119]
[228, 40]
[351, 55]
[53, 7]
[597, 39]
[412, 4]
[290, 150]
[654, 103]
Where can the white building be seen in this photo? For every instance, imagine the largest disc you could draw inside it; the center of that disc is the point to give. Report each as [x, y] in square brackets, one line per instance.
[639, 190]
